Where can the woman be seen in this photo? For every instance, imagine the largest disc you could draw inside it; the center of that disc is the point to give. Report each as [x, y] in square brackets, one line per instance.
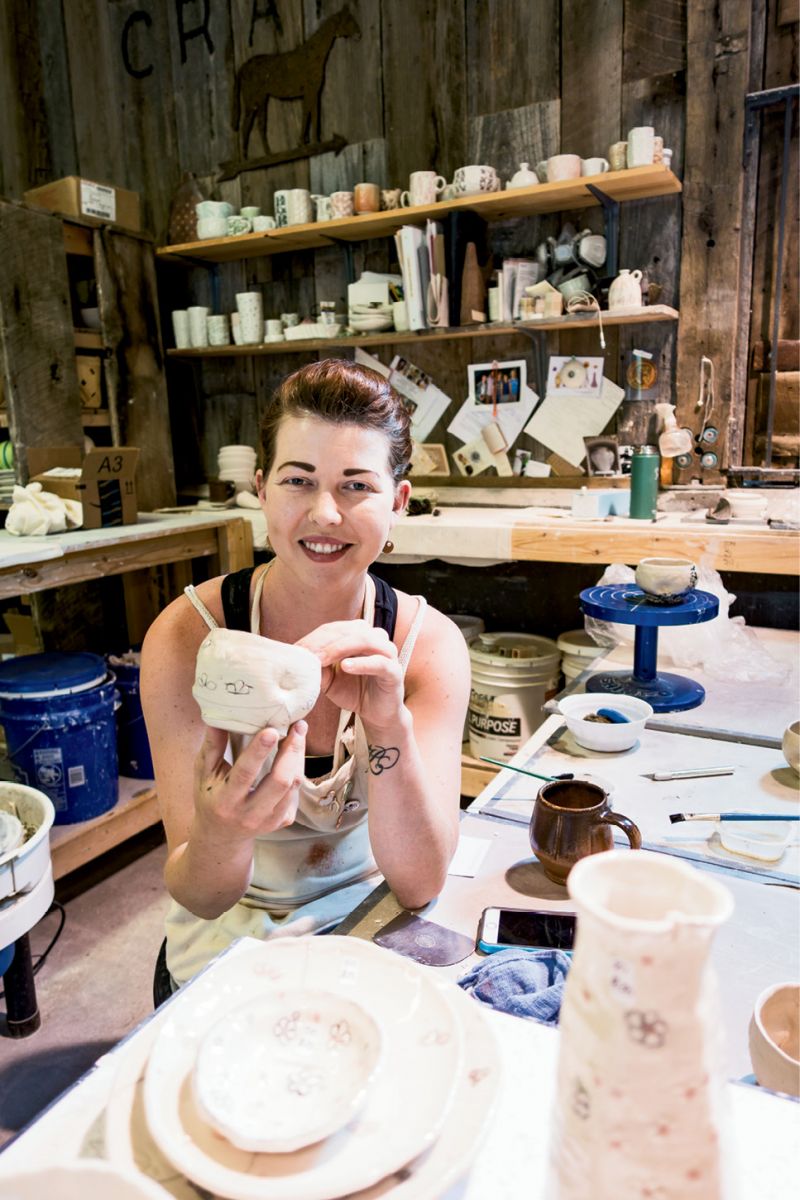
[370, 781]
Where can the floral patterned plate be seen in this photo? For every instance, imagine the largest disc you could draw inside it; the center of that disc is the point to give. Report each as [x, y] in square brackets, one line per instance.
[407, 1104]
[286, 1070]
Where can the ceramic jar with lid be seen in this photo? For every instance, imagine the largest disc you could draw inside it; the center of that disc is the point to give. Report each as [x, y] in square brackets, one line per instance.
[524, 177]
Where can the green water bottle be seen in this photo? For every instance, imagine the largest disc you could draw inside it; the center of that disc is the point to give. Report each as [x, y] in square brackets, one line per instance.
[645, 465]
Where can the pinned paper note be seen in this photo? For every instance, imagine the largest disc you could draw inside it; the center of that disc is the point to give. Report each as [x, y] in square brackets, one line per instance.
[426, 403]
[562, 422]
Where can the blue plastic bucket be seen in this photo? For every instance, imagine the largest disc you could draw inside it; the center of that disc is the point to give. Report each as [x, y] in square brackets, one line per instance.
[133, 746]
[57, 711]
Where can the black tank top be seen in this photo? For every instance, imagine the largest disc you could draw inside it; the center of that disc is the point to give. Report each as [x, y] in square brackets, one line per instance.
[235, 595]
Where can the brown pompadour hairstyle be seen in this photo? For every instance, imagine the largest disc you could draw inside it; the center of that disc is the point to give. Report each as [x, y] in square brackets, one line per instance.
[342, 392]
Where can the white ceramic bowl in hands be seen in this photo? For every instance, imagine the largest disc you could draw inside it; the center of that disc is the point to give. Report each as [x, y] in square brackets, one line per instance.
[287, 1069]
[596, 735]
[774, 1037]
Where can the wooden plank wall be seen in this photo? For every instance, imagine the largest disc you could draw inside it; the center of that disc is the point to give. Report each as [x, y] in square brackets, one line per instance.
[140, 91]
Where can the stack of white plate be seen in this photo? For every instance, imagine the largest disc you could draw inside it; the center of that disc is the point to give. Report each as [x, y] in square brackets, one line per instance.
[6, 485]
[389, 1068]
[239, 464]
[370, 318]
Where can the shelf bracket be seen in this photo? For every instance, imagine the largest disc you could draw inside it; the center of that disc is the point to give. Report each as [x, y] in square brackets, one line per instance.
[215, 288]
[349, 258]
[611, 221]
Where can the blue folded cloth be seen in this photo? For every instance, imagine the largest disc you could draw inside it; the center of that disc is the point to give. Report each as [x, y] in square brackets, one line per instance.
[525, 983]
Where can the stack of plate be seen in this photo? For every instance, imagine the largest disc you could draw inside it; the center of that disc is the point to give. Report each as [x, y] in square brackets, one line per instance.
[239, 464]
[6, 485]
[370, 318]
[391, 1068]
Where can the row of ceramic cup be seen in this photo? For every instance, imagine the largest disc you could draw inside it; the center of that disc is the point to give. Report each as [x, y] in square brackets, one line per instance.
[195, 328]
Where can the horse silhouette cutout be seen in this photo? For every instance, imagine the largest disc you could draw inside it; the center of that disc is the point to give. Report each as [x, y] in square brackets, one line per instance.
[293, 75]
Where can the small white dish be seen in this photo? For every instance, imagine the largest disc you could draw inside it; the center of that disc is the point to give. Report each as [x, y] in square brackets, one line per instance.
[286, 1070]
[86, 1179]
[596, 735]
[762, 840]
[423, 1063]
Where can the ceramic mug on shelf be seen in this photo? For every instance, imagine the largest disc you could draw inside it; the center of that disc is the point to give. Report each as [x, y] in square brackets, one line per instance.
[198, 330]
[212, 227]
[251, 317]
[423, 188]
[180, 329]
[366, 198]
[618, 156]
[237, 225]
[641, 146]
[251, 211]
[658, 149]
[563, 166]
[341, 204]
[293, 207]
[595, 166]
[236, 329]
[626, 290]
[571, 819]
[323, 207]
[263, 223]
[475, 180]
[273, 330]
[666, 578]
[390, 198]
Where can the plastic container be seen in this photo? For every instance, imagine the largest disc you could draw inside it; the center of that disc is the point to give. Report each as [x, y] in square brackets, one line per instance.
[513, 674]
[133, 746]
[57, 711]
[595, 735]
[578, 651]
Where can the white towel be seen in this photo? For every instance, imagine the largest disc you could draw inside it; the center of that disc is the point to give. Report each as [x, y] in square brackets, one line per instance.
[35, 512]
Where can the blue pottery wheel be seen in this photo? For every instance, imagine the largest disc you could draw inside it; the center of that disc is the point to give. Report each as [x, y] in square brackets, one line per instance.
[627, 604]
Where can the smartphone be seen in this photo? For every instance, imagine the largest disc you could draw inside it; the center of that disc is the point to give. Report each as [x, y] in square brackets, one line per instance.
[525, 929]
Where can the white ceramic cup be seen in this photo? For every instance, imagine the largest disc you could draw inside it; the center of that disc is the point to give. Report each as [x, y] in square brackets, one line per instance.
[341, 204]
[290, 319]
[236, 329]
[563, 166]
[641, 146]
[293, 207]
[594, 166]
[219, 330]
[263, 223]
[666, 577]
[324, 207]
[273, 329]
[198, 330]
[214, 208]
[251, 317]
[180, 329]
[400, 316]
[251, 211]
[475, 180]
[423, 188]
[212, 227]
[238, 224]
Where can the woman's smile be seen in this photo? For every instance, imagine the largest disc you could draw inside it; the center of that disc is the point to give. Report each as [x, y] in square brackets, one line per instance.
[326, 550]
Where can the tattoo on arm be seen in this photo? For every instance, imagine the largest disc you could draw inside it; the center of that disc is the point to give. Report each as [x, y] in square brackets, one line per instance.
[382, 758]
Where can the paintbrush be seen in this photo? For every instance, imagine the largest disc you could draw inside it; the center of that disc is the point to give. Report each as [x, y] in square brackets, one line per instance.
[675, 818]
[521, 770]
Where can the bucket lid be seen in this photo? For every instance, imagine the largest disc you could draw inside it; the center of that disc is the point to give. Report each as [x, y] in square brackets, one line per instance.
[37, 676]
[578, 643]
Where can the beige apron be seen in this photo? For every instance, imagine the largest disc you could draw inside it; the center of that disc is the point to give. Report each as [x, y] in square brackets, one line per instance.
[311, 874]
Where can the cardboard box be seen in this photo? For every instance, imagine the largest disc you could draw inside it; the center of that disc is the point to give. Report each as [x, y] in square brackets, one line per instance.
[88, 366]
[96, 202]
[106, 486]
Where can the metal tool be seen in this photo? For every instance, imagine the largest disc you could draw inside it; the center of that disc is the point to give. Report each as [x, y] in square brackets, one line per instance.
[534, 774]
[675, 818]
[690, 773]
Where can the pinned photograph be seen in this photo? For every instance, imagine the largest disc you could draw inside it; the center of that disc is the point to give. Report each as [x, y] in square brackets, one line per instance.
[574, 376]
[602, 455]
[497, 382]
[429, 458]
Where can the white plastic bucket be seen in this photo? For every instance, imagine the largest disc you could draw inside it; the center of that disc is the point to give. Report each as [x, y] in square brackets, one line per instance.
[578, 651]
[470, 627]
[512, 676]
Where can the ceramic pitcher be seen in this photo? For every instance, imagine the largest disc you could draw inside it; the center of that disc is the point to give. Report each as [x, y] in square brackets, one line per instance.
[641, 1106]
[626, 291]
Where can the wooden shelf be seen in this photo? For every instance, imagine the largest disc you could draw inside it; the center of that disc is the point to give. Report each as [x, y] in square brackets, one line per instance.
[72, 846]
[90, 418]
[621, 316]
[88, 339]
[636, 183]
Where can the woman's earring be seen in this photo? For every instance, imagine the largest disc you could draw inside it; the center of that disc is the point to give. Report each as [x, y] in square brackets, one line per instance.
[388, 547]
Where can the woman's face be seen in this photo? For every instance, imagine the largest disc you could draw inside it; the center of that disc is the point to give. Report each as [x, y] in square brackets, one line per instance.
[329, 497]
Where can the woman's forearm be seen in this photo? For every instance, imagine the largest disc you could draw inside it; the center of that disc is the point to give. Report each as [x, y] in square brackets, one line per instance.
[208, 876]
[413, 832]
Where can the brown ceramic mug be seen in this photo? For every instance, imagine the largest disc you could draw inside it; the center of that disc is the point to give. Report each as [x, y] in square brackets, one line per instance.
[572, 818]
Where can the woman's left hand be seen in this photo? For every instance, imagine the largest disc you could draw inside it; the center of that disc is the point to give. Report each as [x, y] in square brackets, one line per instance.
[360, 670]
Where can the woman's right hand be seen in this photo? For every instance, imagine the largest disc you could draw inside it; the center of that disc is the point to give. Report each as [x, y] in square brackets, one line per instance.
[226, 802]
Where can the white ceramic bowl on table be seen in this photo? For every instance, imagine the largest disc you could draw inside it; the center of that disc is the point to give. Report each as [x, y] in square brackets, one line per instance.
[597, 735]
